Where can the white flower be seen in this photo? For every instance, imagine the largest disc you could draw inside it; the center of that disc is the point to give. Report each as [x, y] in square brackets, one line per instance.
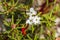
[28, 22]
[31, 17]
[32, 12]
[36, 20]
[57, 21]
[33, 20]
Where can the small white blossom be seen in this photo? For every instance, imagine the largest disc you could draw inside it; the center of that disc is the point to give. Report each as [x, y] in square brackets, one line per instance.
[36, 20]
[33, 20]
[32, 12]
[31, 17]
[32, 9]
[28, 22]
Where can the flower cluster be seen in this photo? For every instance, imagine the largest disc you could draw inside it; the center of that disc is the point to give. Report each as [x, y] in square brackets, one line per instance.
[33, 19]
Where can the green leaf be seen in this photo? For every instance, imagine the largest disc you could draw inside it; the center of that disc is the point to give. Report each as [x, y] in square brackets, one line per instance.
[35, 38]
[18, 21]
[33, 28]
[29, 37]
[12, 20]
[6, 23]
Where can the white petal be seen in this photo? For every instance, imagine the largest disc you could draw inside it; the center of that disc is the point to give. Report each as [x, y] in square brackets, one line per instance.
[33, 12]
[31, 9]
[38, 18]
[31, 17]
[28, 22]
[36, 21]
